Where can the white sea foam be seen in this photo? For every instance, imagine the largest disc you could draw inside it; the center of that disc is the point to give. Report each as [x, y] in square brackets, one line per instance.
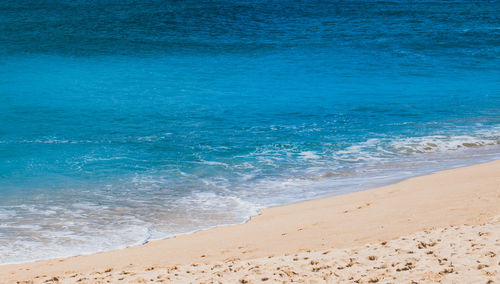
[384, 148]
[6, 214]
[441, 143]
[214, 163]
[309, 155]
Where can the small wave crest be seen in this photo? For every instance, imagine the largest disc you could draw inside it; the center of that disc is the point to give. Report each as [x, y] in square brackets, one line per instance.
[382, 148]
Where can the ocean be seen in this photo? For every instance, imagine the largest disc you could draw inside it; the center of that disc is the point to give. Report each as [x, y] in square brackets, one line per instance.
[128, 121]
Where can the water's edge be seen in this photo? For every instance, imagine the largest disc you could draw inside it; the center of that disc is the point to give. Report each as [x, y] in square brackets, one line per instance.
[259, 212]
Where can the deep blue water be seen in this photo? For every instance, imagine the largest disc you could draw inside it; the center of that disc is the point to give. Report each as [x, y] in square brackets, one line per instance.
[122, 121]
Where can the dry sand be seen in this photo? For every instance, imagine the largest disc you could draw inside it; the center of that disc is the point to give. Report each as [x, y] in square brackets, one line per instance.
[441, 227]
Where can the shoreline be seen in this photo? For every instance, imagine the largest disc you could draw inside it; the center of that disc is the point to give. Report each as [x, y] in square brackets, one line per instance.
[310, 225]
[324, 195]
[484, 154]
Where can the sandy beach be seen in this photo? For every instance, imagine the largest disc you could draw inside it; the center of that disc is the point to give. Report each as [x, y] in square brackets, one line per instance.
[440, 227]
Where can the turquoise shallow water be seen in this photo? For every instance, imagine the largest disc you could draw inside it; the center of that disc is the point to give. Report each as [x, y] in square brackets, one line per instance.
[124, 121]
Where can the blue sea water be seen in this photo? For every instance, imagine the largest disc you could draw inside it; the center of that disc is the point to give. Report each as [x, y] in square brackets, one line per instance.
[125, 121]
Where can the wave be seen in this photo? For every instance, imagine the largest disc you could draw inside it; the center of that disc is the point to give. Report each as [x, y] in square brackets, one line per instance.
[382, 148]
